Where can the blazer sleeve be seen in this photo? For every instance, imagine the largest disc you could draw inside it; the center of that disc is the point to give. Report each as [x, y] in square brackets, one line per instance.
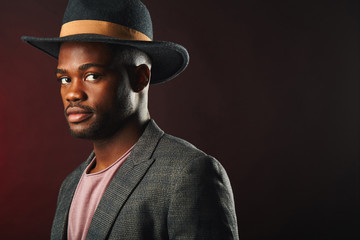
[202, 203]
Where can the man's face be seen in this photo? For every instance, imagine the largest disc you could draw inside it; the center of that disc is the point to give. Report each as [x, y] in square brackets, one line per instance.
[95, 90]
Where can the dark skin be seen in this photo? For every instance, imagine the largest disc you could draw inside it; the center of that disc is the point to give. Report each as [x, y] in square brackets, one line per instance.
[104, 100]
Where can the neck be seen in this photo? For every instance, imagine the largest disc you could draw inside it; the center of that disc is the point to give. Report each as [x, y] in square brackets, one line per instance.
[108, 150]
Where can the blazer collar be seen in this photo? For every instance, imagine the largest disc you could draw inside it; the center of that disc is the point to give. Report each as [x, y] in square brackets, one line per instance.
[121, 186]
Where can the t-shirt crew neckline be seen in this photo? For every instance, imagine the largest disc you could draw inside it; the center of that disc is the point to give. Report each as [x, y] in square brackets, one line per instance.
[91, 165]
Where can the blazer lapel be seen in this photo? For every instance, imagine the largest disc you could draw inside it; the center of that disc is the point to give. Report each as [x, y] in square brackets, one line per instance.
[124, 182]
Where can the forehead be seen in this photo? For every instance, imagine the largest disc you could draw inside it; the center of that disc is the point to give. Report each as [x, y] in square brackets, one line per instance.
[77, 53]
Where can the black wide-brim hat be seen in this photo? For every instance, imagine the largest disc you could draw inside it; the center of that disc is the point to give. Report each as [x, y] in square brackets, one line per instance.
[120, 22]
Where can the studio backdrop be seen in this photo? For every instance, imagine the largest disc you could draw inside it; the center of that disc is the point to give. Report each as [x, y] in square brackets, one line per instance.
[272, 91]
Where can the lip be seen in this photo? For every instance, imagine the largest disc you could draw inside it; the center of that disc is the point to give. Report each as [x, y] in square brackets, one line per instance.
[77, 114]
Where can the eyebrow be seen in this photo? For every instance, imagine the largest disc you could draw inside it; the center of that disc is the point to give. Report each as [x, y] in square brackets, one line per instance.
[61, 71]
[81, 68]
[89, 65]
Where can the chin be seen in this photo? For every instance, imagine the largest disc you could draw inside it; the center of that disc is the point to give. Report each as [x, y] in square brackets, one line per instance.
[85, 132]
[82, 135]
[95, 131]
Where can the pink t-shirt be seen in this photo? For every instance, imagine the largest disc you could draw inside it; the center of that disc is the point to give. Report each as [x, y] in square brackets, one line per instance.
[88, 194]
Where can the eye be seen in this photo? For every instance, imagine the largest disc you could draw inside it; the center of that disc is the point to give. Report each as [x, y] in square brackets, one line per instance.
[92, 77]
[64, 80]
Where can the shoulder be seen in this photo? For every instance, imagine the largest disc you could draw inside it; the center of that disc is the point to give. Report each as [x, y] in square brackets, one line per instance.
[177, 150]
[171, 145]
[179, 157]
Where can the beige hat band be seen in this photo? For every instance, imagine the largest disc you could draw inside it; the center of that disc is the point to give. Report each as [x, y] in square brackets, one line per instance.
[103, 28]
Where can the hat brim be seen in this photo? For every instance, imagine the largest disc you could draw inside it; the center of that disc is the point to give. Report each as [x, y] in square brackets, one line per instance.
[168, 59]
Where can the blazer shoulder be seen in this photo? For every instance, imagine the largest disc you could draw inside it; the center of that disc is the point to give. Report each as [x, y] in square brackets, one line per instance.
[173, 146]
[178, 153]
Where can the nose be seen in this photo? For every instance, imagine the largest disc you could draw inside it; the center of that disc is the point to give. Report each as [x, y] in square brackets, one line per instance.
[75, 91]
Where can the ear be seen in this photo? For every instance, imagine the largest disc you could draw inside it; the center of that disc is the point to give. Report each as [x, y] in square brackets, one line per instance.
[142, 77]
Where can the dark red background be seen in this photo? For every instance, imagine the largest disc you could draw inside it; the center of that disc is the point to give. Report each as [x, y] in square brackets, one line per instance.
[272, 91]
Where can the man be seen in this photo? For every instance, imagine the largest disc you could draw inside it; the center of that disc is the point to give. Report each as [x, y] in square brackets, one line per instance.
[139, 183]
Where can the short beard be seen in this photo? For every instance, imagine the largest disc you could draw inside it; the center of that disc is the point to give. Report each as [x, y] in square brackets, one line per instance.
[107, 125]
[101, 129]
[91, 133]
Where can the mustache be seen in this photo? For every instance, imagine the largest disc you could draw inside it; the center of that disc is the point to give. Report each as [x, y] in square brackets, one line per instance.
[78, 105]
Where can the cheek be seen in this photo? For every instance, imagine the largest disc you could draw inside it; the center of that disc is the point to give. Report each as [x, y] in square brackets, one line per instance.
[126, 98]
[105, 97]
[121, 92]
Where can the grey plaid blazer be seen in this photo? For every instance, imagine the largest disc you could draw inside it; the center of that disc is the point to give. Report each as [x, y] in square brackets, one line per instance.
[166, 189]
